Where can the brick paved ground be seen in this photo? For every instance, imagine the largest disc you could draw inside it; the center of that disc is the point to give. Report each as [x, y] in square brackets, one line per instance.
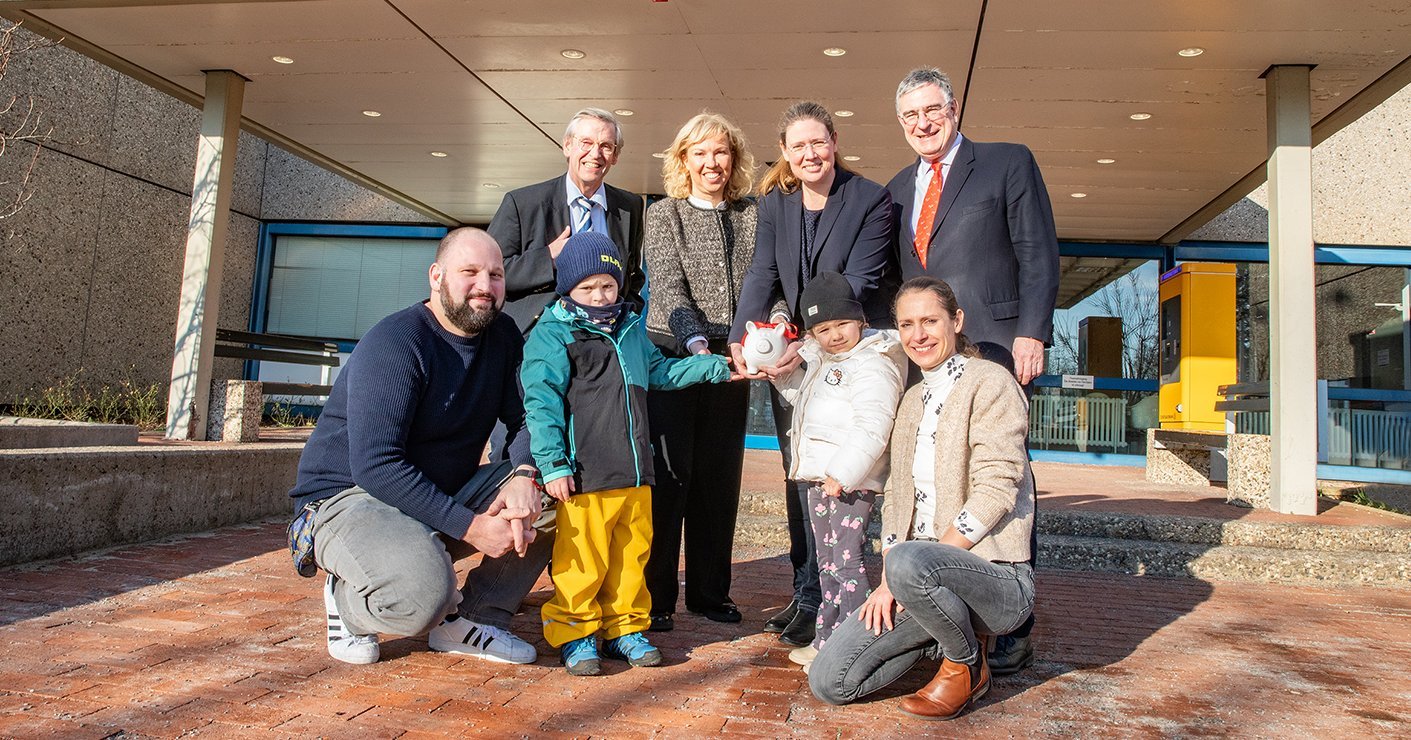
[214, 634]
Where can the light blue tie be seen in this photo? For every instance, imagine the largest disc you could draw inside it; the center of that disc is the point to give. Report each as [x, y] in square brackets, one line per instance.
[584, 219]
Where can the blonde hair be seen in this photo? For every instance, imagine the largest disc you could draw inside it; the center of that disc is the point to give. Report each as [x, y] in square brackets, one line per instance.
[677, 181]
[781, 175]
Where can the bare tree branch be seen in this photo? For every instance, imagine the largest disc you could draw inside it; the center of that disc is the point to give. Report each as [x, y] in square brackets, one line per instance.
[22, 121]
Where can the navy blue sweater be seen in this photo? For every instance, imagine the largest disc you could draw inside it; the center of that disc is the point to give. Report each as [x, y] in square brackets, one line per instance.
[410, 414]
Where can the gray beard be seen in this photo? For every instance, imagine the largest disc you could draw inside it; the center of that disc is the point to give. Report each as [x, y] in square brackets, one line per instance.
[470, 320]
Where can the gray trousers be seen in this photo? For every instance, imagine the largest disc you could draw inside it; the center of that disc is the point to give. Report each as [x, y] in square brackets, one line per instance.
[398, 574]
[948, 595]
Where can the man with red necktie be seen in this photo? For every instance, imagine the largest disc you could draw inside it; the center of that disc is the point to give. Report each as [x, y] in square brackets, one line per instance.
[977, 215]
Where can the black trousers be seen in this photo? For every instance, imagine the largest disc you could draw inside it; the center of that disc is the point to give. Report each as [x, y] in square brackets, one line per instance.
[698, 440]
[802, 555]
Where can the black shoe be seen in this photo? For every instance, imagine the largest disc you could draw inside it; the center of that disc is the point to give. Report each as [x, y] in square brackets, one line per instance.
[779, 622]
[662, 623]
[801, 629]
[726, 612]
[1011, 654]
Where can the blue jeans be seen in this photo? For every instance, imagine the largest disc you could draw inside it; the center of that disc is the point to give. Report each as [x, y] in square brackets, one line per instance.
[948, 595]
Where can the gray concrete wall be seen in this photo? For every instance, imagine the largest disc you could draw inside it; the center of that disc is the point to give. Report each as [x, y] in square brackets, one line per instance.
[1361, 186]
[90, 269]
[60, 502]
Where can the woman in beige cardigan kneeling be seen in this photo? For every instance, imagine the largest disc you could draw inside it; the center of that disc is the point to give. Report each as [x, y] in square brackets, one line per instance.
[956, 522]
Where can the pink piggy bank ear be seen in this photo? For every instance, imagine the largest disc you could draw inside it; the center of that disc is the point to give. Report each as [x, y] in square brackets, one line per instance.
[751, 326]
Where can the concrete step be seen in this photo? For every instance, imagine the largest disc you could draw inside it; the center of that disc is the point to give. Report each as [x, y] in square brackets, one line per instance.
[1181, 547]
[17, 433]
[1223, 562]
[1202, 531]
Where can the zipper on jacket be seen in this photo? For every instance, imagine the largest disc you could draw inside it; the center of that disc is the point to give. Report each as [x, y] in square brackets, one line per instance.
[626, 390]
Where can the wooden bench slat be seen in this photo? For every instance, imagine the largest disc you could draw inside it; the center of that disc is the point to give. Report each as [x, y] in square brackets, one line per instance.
[274, 355]
[1243, 404]
[278, 341]
[295, 389]
[1245, 389]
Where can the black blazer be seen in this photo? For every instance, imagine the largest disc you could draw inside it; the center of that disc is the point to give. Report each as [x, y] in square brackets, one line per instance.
[531, 217]
[993, 241]
[854, 238]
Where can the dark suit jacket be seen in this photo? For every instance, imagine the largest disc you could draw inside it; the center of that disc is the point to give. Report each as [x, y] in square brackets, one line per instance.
[993, 241]
[854, 238]
[531, 217]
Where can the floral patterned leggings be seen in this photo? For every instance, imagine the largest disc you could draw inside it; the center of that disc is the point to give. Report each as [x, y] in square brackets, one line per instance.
[839, 530]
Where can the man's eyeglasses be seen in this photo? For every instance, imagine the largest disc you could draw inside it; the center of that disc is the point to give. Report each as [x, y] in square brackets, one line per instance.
[587, 145]
[933, 113]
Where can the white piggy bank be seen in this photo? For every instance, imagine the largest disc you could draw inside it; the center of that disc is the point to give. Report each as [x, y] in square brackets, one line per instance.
[763, 345]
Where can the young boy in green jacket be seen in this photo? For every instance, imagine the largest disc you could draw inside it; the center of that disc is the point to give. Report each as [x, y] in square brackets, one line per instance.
[587, 367]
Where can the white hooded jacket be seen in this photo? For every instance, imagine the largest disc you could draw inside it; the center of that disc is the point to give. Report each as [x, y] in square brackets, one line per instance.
[844, 406]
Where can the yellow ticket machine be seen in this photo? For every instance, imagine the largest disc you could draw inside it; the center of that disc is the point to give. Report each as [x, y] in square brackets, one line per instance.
[1197, 344]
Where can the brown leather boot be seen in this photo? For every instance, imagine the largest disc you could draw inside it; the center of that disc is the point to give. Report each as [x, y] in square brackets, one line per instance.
[954, 688]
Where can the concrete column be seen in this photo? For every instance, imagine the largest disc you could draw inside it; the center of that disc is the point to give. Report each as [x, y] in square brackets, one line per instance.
[1293, 347]
[189, 396]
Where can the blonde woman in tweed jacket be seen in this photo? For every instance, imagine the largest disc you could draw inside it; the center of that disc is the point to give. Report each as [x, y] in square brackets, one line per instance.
[956, 523]
[698, 246]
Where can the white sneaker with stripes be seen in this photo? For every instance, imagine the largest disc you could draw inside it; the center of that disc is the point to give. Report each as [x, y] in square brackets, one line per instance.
[342, 643]
[460, 635]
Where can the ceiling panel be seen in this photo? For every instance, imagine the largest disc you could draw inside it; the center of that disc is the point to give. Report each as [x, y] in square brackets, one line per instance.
[484, 82]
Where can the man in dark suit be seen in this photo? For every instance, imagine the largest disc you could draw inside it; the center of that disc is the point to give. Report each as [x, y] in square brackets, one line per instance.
[985, 222]
[533, 222]
[977, 215]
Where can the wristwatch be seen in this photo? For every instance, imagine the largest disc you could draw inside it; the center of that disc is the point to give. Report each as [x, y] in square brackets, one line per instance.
[531, 473]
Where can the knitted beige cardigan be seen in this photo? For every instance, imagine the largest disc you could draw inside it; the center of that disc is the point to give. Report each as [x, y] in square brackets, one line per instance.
[982, 464]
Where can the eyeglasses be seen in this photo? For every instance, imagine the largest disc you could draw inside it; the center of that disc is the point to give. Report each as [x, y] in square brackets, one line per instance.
[587, 145]
[933, 113]
[819, 146]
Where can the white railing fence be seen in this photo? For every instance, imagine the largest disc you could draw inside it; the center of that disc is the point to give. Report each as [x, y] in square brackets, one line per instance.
[1078, 422]
[1362, 437]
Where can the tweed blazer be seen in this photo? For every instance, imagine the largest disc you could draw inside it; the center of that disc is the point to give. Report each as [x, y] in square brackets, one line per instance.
[697, 260]
[982, 464]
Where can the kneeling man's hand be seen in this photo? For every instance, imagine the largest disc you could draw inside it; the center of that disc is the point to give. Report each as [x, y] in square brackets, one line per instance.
[520, 493]
[496, 535]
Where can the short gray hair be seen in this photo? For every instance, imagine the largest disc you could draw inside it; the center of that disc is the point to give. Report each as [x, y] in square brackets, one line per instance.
[599, 114]
[921, 77]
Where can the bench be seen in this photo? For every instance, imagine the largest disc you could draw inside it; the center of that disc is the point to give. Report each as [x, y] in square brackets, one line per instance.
[244, 345]
[237, 406]
[1239, 458]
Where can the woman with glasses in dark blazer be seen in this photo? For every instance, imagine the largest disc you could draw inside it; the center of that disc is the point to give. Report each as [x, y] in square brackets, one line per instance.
[814, 216]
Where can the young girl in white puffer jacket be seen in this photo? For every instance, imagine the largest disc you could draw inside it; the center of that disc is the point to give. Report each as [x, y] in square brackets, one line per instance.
[845, 399]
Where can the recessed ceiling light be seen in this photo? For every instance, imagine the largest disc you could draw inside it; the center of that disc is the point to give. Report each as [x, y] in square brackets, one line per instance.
[624, 112]
[283, 60]
[659, 155]
[1106, 160]
[371, 113]
[843, 113]
[1139, 116]
[851, 157]
[439, 154]
[573, 54]
[1078, 195]
[835, 51]
[490, 185]
[1191, 51]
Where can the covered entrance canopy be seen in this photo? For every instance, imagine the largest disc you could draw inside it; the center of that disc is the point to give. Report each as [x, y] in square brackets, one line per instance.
[1148, 119]
[491, 84]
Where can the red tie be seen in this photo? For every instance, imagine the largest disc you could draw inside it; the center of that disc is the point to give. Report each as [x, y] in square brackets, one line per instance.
[928, 213]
